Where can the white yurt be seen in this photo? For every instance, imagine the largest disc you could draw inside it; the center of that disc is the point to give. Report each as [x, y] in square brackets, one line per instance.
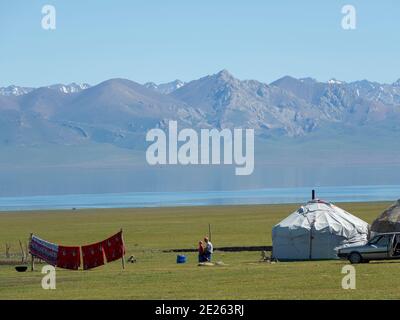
[314, 232]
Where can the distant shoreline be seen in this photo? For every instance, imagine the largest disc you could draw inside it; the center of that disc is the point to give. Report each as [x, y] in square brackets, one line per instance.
[141, 200]
[179, 209]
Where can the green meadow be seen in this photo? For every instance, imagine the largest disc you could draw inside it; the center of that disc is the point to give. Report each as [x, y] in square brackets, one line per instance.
[156, 275]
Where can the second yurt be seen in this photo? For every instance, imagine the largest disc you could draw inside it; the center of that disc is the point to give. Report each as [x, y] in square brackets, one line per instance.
[388, 221]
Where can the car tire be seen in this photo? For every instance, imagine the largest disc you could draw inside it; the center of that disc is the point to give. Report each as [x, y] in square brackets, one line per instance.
[355, 258]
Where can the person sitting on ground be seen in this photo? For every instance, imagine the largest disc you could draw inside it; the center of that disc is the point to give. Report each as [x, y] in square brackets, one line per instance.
[201, 252]
[209, 249]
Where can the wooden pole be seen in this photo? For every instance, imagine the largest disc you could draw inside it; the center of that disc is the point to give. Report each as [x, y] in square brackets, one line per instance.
[123, 253]
[32, 258]
[8, 250]
[22, 251]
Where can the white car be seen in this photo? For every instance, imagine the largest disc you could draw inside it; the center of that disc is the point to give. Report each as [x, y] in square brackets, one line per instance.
[383, 246]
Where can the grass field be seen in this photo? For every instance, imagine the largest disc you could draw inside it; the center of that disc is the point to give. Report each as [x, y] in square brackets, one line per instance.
[156, 275]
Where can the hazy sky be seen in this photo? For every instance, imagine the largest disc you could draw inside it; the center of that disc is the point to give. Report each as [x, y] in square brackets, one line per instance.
[162, 40]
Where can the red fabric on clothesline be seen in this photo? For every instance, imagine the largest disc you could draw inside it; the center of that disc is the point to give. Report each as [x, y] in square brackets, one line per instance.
[69, 257]
[114, 247]
[92, 256]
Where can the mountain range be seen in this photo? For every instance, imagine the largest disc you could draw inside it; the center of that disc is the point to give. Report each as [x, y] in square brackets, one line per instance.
[120, 111]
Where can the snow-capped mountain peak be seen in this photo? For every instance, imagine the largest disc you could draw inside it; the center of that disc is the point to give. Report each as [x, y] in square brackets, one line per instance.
[70, 88]
[14, 90]
[165, 88]
[334, 81]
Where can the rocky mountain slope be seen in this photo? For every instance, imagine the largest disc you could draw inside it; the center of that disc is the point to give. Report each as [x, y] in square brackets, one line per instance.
[120, 111]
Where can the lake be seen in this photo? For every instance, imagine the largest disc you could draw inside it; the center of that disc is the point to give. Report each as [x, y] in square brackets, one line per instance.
[170, 199]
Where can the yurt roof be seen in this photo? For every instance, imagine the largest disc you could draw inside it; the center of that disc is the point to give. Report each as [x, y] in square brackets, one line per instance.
[324, 215]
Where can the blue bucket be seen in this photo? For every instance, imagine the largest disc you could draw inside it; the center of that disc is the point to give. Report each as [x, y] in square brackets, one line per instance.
[181, 259]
